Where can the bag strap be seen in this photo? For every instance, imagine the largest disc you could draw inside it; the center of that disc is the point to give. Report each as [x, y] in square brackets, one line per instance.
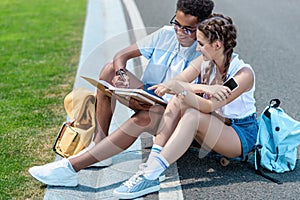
[274, 103]
[259, 169]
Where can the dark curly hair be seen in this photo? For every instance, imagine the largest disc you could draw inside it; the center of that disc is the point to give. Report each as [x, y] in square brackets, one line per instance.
[198, 8]
[220, 27]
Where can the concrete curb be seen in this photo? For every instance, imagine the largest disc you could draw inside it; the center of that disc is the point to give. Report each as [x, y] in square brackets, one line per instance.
[105, 23]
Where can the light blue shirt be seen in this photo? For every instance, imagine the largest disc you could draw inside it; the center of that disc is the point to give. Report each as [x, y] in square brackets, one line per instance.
[166, 57]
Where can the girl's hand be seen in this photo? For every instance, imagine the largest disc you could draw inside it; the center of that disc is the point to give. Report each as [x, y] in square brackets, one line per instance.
[219, 92]
[170, 87]
[159, 90]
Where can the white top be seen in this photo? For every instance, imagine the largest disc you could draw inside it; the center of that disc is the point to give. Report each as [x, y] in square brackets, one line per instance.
[242, 106]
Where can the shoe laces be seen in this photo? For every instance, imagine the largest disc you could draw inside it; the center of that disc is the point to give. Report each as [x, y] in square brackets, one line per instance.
[137, 177]
[142, 166]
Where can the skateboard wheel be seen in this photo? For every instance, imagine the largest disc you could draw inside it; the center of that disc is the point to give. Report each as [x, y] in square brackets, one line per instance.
[224, 162]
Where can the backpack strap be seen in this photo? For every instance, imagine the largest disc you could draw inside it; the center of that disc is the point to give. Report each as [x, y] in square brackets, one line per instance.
[274, 103]
[259, 169]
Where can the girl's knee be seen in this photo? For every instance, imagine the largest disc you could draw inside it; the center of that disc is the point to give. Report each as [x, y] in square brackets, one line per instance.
[193, 114]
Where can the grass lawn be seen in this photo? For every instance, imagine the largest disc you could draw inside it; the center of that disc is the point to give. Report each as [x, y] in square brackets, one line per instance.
[39, 52]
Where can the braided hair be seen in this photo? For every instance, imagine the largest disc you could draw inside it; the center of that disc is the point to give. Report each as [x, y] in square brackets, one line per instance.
[219, 27]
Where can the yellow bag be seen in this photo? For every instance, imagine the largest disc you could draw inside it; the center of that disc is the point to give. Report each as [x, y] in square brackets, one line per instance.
[76, 134]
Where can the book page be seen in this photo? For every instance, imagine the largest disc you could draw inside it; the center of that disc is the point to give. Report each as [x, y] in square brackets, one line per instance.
[101, 85]
[106, 87]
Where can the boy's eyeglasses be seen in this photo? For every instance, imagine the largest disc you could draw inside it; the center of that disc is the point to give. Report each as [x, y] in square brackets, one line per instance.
[178, 26]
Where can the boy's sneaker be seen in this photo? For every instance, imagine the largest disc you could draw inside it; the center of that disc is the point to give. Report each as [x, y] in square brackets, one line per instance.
[59, 173]
[137, 186]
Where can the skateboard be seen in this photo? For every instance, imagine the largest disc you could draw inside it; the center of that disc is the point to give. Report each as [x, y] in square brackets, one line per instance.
[224, 161]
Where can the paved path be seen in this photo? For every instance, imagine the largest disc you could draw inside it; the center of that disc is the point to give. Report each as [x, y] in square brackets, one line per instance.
[104, 21]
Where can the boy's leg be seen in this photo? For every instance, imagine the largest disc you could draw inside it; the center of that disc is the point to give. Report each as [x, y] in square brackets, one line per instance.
[120, 139]
[105, 105]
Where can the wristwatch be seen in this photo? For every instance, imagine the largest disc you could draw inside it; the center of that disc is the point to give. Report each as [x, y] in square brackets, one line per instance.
[120, 72]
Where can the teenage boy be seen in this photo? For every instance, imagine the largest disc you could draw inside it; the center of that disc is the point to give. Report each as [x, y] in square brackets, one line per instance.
[169, 51]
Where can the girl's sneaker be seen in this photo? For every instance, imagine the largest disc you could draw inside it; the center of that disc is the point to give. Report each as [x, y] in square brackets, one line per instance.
[137, 186]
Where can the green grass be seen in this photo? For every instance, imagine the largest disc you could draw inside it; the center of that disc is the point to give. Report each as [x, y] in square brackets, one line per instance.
[40, 44]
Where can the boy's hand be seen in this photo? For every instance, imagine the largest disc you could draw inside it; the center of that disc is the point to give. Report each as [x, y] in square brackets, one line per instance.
[132, 103]
[121, 81]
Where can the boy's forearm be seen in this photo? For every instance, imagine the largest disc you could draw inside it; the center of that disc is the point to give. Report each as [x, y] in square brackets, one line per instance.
[121, 58]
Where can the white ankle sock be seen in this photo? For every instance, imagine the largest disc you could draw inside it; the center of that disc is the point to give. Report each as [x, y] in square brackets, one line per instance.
[154, 168]
[155, 150]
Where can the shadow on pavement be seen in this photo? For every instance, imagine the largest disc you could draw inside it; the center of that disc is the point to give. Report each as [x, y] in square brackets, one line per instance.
[206, 178]
[208, 171]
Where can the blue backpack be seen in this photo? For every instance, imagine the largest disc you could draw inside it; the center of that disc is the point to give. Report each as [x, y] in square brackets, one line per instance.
[277, 141]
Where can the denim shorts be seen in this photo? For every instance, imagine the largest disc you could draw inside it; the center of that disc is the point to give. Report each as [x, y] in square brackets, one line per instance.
[247, 129]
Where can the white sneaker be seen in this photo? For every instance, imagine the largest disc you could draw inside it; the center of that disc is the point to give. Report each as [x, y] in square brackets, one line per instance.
[104, 163]
[59, 173]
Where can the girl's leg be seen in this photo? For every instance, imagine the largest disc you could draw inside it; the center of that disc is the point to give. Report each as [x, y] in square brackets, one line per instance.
[169, 121]
[182, 136]
[210, 131]
[220, 138]
[156, 163]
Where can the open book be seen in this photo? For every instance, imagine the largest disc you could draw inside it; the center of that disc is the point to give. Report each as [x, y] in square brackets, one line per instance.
[138, 94]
